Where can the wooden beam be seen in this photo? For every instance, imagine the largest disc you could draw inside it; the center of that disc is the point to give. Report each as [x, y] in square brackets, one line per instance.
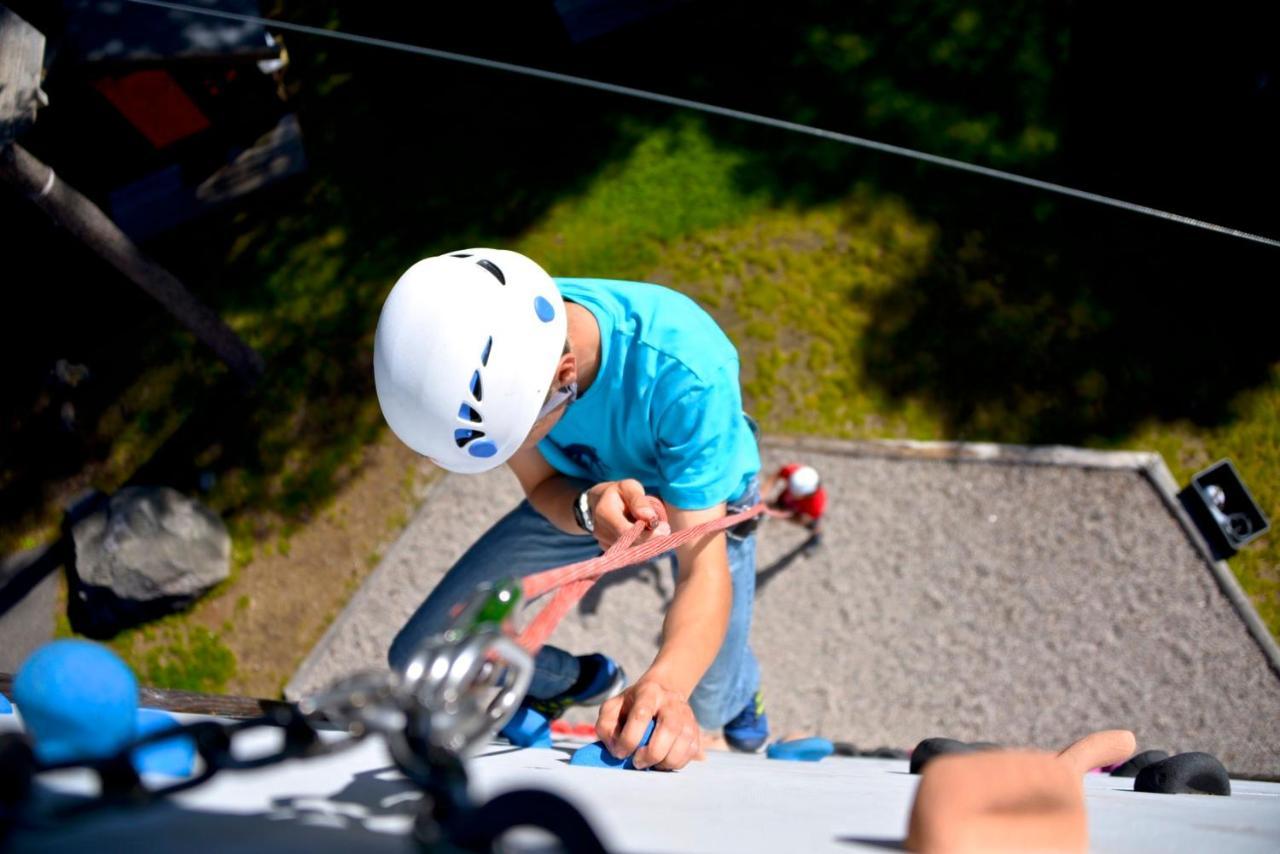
[84, 220]
[189, 702]
[21, 66]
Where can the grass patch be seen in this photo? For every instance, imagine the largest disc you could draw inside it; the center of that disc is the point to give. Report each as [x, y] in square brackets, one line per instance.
[176, 653]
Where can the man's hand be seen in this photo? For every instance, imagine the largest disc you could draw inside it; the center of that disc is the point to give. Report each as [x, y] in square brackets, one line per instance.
[676, 737]
[616, 505]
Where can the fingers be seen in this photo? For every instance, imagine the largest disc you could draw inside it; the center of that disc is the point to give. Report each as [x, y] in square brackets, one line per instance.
[639, 506]
[616, 506]
[1108, 747]
[638, 718]
[607, 721]
[686, 746]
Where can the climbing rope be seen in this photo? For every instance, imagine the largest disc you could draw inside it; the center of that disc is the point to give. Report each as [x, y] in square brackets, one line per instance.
[572, 581]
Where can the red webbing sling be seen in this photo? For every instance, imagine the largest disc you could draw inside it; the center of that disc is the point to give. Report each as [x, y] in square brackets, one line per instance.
[575, 579]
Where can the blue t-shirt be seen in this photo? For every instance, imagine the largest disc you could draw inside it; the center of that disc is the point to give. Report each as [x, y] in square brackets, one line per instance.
[665, 407]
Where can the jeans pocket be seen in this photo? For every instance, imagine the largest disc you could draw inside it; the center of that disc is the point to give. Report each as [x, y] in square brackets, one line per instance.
[749, 498]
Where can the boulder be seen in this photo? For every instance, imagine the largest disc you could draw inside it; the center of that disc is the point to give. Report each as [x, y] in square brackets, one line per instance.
[143, 552]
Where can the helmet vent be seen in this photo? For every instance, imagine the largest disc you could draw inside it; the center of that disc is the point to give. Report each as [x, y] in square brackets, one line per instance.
[476, 390]
[492, 268]
[463, 435]
[484, 357]
[460, 255]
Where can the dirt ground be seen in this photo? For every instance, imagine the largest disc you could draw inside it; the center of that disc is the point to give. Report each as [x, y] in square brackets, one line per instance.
[272, 614]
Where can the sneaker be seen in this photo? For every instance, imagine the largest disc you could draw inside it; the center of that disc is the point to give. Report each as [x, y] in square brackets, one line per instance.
[750, 729]
[605, 679]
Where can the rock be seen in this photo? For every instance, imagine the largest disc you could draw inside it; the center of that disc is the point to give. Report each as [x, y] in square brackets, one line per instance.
[1185, 774]
[143, 553]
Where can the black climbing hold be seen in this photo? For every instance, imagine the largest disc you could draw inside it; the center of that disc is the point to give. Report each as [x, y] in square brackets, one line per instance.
[932, 747]
[1137, 762]
[846, 748]
[1186, 773]
[885, 753]
[17, 768]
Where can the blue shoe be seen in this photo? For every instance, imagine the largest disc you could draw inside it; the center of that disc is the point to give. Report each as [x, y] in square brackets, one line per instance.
[608, 681]
[750, 729]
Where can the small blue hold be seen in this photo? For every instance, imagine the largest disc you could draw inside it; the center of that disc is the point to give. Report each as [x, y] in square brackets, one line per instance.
[528, 728]
[801, 750]
[6, 708]
[596, 755]
[545, 311]
[78, 701]
[173, 757]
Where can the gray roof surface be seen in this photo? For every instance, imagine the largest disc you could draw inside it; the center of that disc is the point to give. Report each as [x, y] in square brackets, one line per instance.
[978, 598]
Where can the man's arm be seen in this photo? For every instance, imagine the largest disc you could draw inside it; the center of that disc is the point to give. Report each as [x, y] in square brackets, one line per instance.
[614, 505]
[691, 636]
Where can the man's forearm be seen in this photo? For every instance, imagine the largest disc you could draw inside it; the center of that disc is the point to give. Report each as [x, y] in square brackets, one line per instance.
[697, 619]
[554, 498]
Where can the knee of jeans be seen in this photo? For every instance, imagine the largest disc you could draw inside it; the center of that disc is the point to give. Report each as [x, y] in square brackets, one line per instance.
[402, 648]
[709, 702]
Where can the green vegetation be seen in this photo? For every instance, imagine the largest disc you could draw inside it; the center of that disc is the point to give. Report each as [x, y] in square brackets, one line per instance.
[172, 652]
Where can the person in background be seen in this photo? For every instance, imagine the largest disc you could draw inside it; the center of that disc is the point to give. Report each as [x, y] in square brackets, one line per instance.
[803, 496]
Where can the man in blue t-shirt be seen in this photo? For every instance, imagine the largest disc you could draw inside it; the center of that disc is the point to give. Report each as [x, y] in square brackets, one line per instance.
[603, 397]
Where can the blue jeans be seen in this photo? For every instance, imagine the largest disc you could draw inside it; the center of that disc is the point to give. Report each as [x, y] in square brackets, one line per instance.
[524, 542]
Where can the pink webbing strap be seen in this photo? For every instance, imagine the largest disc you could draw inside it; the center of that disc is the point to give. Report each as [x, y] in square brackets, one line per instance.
[575, 579]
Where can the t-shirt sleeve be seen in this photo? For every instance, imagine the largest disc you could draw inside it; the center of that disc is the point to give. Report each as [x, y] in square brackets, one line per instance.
[699, 437]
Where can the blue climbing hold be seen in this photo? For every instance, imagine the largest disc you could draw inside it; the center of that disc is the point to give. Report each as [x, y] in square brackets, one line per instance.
[173, 757]
[801, 750]
[6, 708]
[596, 755]
[78, 701]
[528, 728]
[545, 311]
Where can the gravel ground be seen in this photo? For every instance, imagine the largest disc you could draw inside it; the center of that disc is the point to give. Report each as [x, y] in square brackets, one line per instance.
[1023, 604]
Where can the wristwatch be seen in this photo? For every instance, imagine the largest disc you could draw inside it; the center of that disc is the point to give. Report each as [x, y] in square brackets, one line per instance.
[582, 513]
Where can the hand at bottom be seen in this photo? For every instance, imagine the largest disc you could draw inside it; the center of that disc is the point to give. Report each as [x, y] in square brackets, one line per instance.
[676, 737]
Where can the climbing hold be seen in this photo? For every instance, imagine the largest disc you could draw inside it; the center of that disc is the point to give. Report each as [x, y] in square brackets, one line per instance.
[1186, 773]
[845, 748]
[78, 701]
[173, 757]
[1134, 764]
[937, 746]
[596, 755]
[6, 708]
[886, 753]
[801, 750]
[528, 728]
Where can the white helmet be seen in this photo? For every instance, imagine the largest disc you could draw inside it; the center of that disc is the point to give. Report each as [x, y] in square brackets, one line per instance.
[465, 353]
[803, 482]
